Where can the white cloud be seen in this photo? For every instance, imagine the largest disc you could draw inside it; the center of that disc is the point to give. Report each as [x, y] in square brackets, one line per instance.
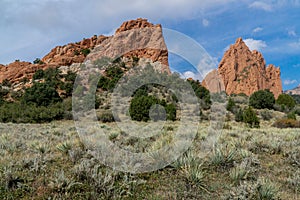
[205, 22]
[261, 5]
[258, 29]
[189, 74]
[34, 22]
[289, 82]
[255, 44]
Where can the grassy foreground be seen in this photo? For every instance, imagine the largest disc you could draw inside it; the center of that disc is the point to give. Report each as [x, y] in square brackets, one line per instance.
[48, 161]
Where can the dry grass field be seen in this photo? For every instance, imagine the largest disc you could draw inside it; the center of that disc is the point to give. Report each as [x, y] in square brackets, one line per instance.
[48, 161]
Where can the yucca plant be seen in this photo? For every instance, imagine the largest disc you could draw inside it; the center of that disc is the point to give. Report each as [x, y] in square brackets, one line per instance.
[9, 178]
[113, 136]
[188, 158]
[195, 174]
[64, 147]
[237, 174]
[223, 157]
[63, 184]
[40, 148]
[267, 190]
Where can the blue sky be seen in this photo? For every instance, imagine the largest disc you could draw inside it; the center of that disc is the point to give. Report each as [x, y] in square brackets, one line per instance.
[31, 28]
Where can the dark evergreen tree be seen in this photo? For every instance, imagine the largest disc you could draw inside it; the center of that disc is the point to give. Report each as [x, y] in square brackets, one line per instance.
[262, 99]
[41, 94]
[286, 100]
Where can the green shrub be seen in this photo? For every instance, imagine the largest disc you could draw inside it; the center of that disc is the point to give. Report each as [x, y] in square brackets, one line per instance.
[68, 88]
[3, 92]
[112, 75]
[240, 98]
[250, 117]
[239, 115]
[52, 75]
[297, 110]
[202, 93]
[68, 83]
[24, 80]
[296, 97]
[230, 105]
[106, 116]
[247, 116]
[85, 52]
[281, 108]
[242, 95]
[70, 76]
[39, 74]
[17, 95]
[38, 61]
[286, 100]
[266, 114]
[76, 52]
[140, 107]
[105, 83]
[171, 111]
[141, 104]
[6, 83]
[41, 94]
[20, 113]
[291, 115]
[262, 99]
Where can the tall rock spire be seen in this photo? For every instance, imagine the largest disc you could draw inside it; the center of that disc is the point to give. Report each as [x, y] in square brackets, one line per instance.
[245, 71]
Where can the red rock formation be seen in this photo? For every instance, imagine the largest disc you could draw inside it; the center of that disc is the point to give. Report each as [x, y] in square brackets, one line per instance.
[136, 24]
[135, 38]
[213, 82]
[59, 56]
[72, 53]
[131, 35]
[243, 71]
[16, 71]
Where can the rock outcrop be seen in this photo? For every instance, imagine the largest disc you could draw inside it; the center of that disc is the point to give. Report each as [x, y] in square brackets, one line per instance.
[18, 71]
[73, 52]
[136, 24]
[135, 38]
[243, 71]
[295, 91]
[213, 82]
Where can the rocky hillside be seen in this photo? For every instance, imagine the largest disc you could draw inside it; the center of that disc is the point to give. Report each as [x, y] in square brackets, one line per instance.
[296, 91]
[138, 33]
[244, 71]
[240, 70]
[59, 56]
[135, 38]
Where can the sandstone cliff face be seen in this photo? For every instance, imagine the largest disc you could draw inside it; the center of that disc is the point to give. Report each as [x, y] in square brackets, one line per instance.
[243, 71]
[136, 24]
[18, 71]
[73, 52]
[137, 38]
[213, 82]
[59, 56]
